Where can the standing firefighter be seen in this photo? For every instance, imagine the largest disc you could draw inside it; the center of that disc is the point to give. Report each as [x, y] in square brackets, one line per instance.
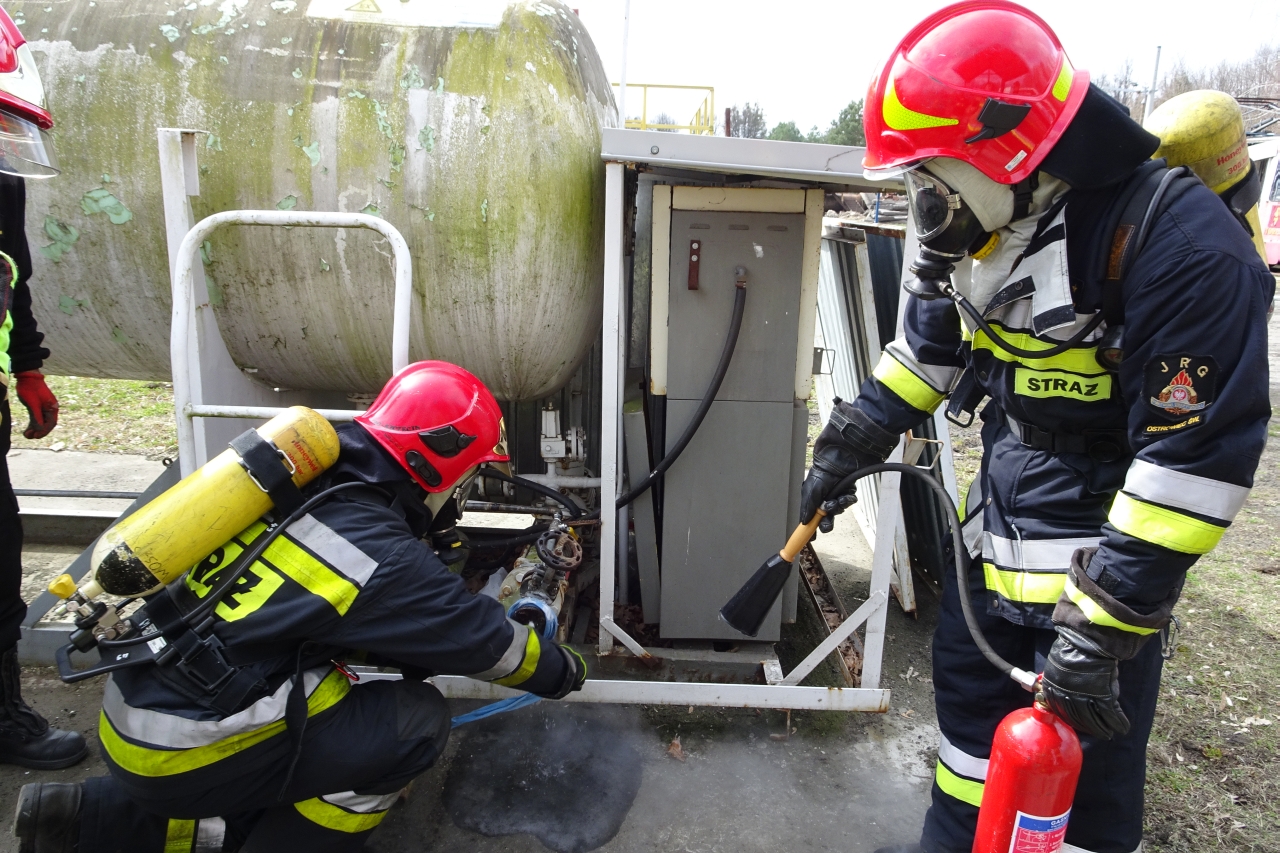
[26, 151]
[264, 744]
[1124, 352]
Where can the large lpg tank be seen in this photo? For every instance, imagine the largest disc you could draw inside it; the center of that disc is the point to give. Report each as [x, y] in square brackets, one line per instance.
[473, 127]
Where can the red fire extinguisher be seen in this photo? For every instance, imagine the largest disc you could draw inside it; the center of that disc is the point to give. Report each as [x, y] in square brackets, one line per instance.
[1031, 783]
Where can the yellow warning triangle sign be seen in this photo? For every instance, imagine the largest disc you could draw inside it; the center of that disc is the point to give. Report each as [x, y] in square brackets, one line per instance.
[365, 6]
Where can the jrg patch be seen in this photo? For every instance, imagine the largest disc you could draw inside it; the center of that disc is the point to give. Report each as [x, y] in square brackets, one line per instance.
[1176, 385]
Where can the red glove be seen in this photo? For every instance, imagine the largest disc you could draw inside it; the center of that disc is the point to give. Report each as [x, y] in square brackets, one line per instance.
[40, 403]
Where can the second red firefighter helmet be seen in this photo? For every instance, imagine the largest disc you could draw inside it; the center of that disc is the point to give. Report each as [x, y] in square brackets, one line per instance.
[983, 81]
[438, 421]
[25, 146]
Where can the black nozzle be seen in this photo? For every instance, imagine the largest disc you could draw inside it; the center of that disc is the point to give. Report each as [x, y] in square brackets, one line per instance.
[745, 612]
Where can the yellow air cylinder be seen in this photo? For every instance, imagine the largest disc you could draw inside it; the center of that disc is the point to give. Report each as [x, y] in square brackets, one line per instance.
[158, 543]
[1204, 130]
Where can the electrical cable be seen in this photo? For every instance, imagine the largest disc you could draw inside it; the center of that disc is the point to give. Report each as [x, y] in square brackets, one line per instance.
[1026, 679]
[499, 707]
[726, 356]
[575, 511]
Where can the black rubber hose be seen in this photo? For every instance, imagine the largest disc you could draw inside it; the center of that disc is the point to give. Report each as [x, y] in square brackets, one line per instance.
[968, 308]
[726, 356]
[546, 491]
[962, 569]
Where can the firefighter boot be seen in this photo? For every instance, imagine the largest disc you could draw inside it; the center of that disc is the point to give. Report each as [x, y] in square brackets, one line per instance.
[47, 820]
[25, 738]
[901, 848]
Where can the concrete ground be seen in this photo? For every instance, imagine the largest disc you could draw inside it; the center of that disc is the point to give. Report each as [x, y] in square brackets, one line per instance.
[840, 782]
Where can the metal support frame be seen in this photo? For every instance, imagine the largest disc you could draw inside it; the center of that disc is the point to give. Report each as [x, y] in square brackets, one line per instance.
[194, 338]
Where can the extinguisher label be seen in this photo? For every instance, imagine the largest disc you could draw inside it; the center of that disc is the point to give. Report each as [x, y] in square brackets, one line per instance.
[1033, 834]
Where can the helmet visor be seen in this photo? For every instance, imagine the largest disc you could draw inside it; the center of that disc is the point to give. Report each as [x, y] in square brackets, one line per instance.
[25, 149]
[933, 204]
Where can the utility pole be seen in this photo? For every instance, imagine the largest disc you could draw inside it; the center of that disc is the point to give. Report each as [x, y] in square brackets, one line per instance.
[622, 85]
[1151, 93]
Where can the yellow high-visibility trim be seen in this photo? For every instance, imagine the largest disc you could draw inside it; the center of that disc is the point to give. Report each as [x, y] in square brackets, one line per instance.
[1095, 614]
[179, 835]
[145, 761]
[333, 817]
[1173, 530]
[1062, 87]
[964, 790]
[1025, 587]
[913, 390]
[532, 651]
[1075, 360]
[899, 117]
[313, 575]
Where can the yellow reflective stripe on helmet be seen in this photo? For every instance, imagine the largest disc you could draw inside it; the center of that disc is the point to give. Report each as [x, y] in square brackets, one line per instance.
[1062, 87]
[313, 575]
[913, 390]
[900, 117]
[1025, 587]
[1095, 614]
[336, 818]
[964, 790]
[532, 651]
[145, 761]
[179, 836]
[1173, 530]
[1075, 360]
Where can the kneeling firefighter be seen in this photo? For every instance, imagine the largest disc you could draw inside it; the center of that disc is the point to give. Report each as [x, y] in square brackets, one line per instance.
[1120, 333]
[261, 742]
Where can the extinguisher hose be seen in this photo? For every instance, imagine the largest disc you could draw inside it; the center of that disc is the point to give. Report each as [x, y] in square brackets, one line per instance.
[1026, 679]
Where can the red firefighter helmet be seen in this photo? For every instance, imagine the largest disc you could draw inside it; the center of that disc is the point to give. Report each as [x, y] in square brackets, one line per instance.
[983, 81]
[25, 147]
[438, 421]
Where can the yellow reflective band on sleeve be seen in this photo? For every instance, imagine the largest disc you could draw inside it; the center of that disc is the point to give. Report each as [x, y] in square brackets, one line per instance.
[900, 117]
[313, 575]
[1173, 530]
[1059, 383]
[532, 651]
[964, 790]
[913, 390]
[333, 817]
[1095, 614]
[145, 761]
[179, 836]
[1025, 587]
[1076, 360]
[1062, 87]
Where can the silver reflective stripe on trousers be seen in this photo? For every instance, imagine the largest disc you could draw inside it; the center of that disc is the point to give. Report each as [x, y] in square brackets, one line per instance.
[1179, 490]
[1034, 555]
[210, 832]
[961, 763]
[512, 658]
[169, 731]
[322, 541]
[938, 377]
[361, 803]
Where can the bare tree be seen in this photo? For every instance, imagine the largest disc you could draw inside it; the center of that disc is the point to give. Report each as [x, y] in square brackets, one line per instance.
[747, 120]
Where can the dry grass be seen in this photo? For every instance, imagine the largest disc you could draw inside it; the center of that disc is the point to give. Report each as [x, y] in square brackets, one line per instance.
[107, 415]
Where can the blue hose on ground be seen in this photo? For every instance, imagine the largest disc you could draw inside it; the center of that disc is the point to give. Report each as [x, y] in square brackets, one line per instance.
[499, 707]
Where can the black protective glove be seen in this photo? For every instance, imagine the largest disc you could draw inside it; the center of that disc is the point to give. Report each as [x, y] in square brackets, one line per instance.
[575, 675]
[1081, 684]
[849, 441]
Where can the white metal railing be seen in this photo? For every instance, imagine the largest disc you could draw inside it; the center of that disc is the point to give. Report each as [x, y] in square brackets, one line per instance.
[184, 348]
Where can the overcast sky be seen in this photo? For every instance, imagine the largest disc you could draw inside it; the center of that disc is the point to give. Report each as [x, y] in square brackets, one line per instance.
[804, 60]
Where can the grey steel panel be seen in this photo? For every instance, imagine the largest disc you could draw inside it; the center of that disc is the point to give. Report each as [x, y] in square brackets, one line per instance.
[809, 162]
[725, 513]
[763, 367]
[799, 442]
